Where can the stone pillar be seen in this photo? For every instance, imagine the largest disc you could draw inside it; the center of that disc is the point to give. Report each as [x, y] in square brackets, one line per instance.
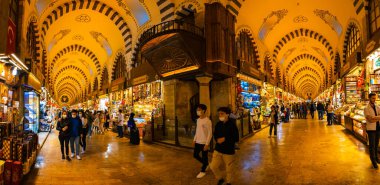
[169, 97]
[204, 91]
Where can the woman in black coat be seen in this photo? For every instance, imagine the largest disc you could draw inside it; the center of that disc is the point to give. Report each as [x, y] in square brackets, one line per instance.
[64, 127]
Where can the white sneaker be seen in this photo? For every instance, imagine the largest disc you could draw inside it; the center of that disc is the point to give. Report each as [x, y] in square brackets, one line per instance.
[72, 155]
[82, 152]
[200, 175]
[79, 158]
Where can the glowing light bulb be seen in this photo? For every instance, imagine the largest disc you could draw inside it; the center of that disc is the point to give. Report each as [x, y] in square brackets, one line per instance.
[14, 71]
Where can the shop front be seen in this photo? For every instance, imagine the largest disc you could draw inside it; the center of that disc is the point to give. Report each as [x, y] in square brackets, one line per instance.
[32, 91]
[248, 104]
[269, 98]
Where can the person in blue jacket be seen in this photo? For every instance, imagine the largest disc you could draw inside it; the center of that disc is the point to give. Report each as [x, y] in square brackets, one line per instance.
[76, 133]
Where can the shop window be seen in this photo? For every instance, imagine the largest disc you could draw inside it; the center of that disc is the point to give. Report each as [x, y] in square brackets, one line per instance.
[31, 37]
[353, 41]
[104, 78]
[119, 70]
[245, 50]
[374, 15]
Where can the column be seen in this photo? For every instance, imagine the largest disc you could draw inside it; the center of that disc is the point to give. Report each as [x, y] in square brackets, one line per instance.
[204, 91]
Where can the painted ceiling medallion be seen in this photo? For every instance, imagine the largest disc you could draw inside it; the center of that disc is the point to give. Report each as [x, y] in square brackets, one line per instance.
[300, 19]
[84, 18]
[329, 19]
[271, 21]
[78, 37]
[124, 6]
[287, 54]
[57, 37]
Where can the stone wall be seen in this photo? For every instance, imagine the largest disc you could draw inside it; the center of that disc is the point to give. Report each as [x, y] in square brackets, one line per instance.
[222, 95]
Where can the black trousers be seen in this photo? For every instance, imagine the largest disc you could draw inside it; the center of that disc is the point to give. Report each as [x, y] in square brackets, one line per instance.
[373, 138]
[204, 159]
[64, 141]
[82, 140]
[273, 125]
[312, 114]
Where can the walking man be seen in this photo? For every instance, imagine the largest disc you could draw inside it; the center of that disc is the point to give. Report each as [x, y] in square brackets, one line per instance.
[76, 133]
[330, 114]
[226, 135]
[320, 110]
[202, 138]
[371, 113]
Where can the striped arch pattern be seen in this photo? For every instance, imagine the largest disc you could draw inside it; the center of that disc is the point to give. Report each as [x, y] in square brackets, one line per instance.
[306, 68]
[302, 79]
[71, 67]
[307, 81]
[234, 6]
[310, 76]
[78, 48]
[302, 33]
[104, 74]
[305, 56]
[185, 10]
[351, 26]
[70, 78]
[166, 9]
[33, 21]
[94, 5]
[257, 57]
[70, 93]
[64, 85]
[359, 5]
[115, 62]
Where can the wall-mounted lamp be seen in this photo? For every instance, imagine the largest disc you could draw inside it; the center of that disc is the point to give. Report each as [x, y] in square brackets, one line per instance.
[14, 71]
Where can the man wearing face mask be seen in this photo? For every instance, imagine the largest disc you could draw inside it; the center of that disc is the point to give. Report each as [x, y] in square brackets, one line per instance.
[64, 127]
[226, 135]
[202, 138]
[76, 133]
[371, 113]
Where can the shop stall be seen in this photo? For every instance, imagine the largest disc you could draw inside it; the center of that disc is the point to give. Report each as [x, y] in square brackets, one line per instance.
[248, 103]
[268, 97]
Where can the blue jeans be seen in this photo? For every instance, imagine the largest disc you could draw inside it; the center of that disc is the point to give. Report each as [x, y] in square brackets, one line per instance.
[330, 117]
[76, 141]
[320, 114]
[120, 131]
[89, 130]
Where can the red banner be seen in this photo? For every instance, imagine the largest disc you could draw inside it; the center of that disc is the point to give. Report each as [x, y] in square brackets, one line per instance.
[11, 38]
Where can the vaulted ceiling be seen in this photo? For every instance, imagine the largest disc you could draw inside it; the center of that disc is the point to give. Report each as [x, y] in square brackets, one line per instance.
[302, 37]
[83, 37]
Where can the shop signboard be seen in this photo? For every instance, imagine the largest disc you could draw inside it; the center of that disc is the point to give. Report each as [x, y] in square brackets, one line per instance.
[249, 69]
[140, 80]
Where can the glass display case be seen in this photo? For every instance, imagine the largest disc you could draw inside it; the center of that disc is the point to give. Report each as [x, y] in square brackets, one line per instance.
[352, 92]
[358, 120]
[31, 111]
[340, 112]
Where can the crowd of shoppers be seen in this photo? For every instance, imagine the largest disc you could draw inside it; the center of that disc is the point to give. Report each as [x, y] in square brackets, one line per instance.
[75, 126]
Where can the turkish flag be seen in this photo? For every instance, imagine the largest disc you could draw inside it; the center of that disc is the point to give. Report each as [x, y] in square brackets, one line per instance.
[11, 37]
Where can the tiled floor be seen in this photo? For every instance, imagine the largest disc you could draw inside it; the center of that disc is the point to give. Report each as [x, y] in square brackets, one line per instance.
[305, 152]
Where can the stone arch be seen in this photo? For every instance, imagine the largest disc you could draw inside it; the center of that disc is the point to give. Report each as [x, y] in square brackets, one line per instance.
[97, 6]
[248, 31]
[302, 33]
[187, 7]
[166, 9]
[118, 63]
[78, 48]
[64, 69]
[305, 56]
[33, 39]
[351, 26]
[234, 6]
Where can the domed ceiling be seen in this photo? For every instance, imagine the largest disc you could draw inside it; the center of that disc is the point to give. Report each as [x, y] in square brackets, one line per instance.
[302, 37]
[83, 37]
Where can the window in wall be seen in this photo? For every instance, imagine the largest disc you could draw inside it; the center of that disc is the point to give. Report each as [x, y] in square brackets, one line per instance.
[104, 78]
[245, 50]
[374, 15]
[353, 41]
[31, 36]
[119, 70]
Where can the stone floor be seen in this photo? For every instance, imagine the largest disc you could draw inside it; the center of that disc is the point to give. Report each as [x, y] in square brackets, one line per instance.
[305, 152]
